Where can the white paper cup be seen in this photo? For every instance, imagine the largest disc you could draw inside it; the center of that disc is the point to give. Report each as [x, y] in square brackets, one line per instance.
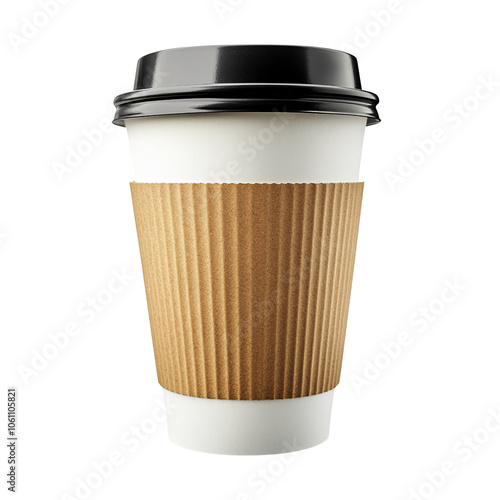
[285, 142]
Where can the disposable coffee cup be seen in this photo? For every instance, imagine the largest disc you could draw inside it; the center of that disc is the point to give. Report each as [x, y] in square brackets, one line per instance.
[247, 202]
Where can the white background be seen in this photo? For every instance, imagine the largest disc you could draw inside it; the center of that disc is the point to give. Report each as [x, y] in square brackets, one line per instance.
[61, 240]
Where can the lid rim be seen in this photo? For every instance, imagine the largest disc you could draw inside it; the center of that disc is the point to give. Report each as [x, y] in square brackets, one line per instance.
[166, 107]
[180, 91]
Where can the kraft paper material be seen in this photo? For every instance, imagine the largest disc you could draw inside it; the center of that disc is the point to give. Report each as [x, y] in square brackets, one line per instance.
[248, 285]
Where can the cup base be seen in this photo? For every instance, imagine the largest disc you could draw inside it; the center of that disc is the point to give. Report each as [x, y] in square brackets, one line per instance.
[234, 427]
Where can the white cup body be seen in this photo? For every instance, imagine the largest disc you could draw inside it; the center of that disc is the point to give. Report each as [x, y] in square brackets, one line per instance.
[247, 148]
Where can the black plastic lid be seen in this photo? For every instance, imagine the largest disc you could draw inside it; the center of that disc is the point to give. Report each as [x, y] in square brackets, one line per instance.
[247, 78]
